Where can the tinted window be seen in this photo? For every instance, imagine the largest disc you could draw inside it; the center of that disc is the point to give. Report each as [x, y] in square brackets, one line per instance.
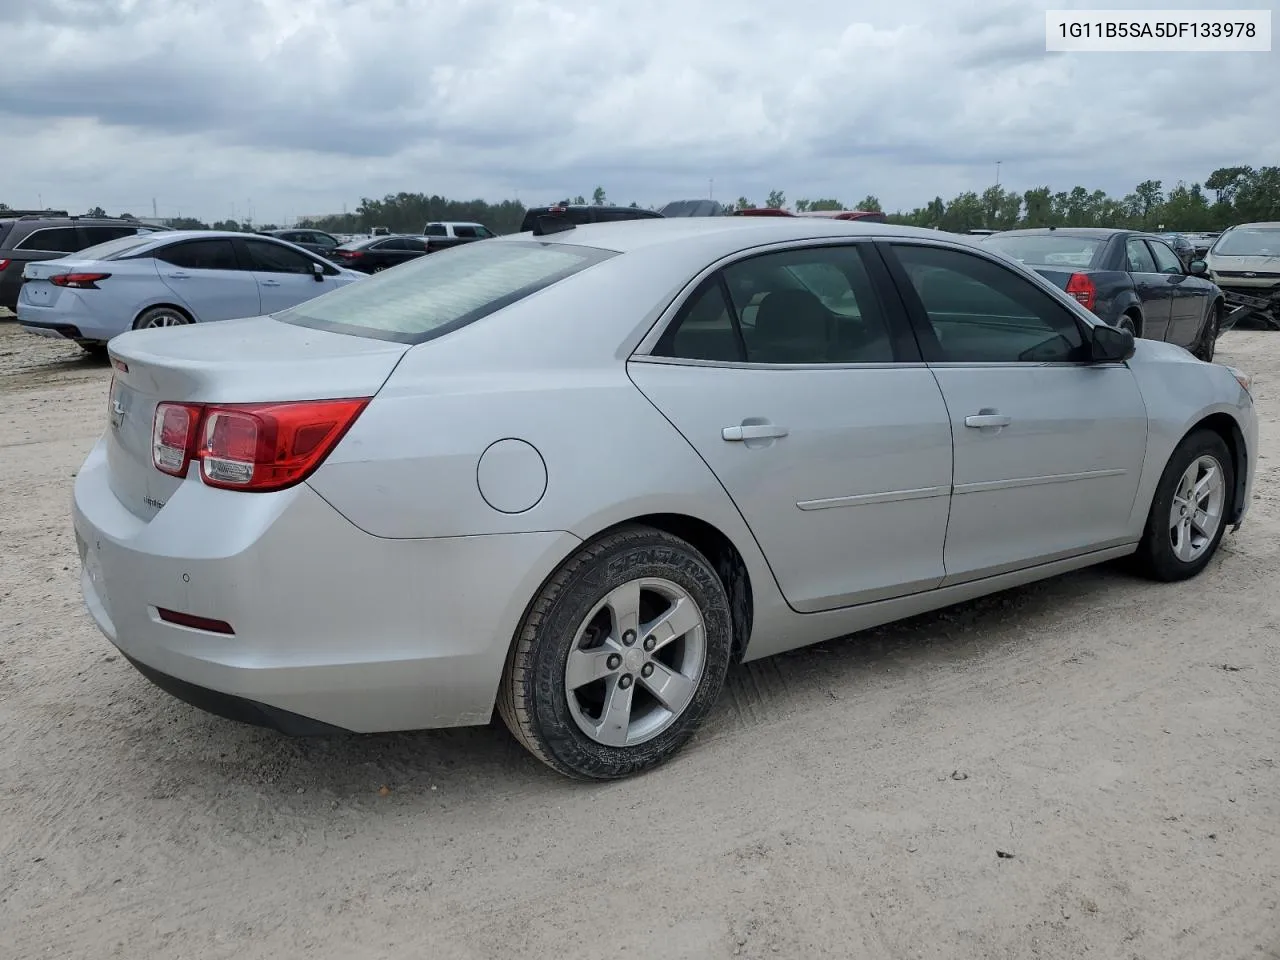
[484, 232]
[436, 230]
[430, 295]
[1047, 250]
[1138, 257]
[274, 258]
[703, 329]
[465, 233]
[323, 240]
[1166, 260]
[92, 236]
[981, 312]
[52, 239]
[815, 305]
[214, 254]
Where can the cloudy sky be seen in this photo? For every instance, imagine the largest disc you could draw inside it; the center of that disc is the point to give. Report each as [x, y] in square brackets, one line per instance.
[291, 107]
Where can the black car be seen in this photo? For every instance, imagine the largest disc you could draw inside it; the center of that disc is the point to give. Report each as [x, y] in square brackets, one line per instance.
[317, 241]
[580, 213]
[1132, 280]
[48, 236]
[1183, 247]
[375, 254]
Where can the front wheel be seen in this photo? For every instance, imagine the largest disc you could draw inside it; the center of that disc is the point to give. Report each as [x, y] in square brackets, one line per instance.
[620, 657]
[1188, 514]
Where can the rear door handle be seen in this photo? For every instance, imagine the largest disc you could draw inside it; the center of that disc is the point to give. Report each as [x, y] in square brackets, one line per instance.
[178, 276]
[988, 420]
[753, 431]
[270, 283]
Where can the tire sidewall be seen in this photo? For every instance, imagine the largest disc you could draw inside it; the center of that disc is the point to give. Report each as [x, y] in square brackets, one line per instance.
[144, 320]
[1162, 558]
[549, 706]
[1209, 345]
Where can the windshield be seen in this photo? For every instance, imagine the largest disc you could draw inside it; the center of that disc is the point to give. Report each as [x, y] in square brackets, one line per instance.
[113, 249]
[1249, 242]
[444, 291]
[1048, 250]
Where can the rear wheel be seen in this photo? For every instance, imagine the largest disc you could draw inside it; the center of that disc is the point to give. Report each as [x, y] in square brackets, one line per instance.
[161, 317]
[620, 657]
[1128, 323]
[378, 269]
[94, 348]
[1208, 345]
[1188, 514]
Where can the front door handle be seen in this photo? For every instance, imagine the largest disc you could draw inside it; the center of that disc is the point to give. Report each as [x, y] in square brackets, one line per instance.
[988, 420]
[270, 283]
[178, 276]
[753, 431]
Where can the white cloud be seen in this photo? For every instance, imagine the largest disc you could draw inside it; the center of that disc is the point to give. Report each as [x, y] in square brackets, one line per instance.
[304, 106]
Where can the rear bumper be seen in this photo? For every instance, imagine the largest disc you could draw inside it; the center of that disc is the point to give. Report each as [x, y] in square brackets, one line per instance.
[69, 314]
[333, 627]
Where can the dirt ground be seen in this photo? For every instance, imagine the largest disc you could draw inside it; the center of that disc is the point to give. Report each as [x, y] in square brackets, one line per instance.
[1085, 767]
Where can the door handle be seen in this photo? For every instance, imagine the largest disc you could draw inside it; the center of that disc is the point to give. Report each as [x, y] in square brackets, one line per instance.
[270, 283]
[753, 431]
[178, 276]
[988, 420]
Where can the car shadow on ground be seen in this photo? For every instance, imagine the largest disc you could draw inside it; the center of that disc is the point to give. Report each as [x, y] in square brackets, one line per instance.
[177, 749]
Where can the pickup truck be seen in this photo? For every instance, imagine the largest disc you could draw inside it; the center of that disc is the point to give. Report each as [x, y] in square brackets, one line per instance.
[1132, 280]
[442, 234]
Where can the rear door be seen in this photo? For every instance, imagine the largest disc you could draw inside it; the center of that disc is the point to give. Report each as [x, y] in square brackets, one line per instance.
[207, 279]
[794, 375]
[1152, 286]
[1048, 446]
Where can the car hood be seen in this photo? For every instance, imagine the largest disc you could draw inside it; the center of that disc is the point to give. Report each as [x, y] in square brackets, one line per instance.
[1268, 264]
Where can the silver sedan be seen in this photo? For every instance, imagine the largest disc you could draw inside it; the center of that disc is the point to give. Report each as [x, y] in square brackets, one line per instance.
[577, 473]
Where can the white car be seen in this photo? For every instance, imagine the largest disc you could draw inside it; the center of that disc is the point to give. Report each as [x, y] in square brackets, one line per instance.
[1246, 259]
[169, 279]
[576, 474]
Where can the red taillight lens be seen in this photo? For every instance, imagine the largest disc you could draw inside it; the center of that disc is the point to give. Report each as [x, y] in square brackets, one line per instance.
[250, 446]
[1081, 287]
[173, 437]
[270, 446]
[79, 281]
[4, 264]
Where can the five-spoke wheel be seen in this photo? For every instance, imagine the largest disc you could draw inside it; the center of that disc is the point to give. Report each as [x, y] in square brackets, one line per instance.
[1189, 511]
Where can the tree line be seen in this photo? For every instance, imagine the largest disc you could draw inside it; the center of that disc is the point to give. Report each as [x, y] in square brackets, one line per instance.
[1227, 196]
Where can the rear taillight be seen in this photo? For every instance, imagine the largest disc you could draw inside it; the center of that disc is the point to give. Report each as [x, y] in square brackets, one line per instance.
[1082, 288]
[250, 446]
[173, 434]
[4, 264]
[78, 281]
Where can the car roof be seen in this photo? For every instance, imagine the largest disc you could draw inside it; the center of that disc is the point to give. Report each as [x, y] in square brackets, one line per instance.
[1088, 233]
[454, 223]
[725, 234]
[1260, 225]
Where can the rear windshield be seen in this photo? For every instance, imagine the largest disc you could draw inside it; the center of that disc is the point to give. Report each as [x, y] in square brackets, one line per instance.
[114, 249]
[435, 294]
[1048, 250]
[1249, 242]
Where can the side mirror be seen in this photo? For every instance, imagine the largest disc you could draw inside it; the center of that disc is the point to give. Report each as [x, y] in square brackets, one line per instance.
[317, 271]
[1197, 268]
[1110, 345]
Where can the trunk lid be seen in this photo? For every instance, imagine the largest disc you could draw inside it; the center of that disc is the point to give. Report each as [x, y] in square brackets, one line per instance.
[1058, 276]
[254, 360]
[36, 288]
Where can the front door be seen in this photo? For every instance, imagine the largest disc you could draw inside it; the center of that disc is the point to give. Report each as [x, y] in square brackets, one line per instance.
[1188, 297]
[1048, 446]
[285, 276]
[800, 387]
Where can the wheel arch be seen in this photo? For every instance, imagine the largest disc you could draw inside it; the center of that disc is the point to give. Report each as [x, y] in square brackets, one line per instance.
[1225, 426]
[133, 324]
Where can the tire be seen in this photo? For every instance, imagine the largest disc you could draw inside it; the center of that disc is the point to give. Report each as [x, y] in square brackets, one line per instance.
[1158, 555]
[158, 317]
[1208, 345]
[94, 348]
[582, 611]
[378, 269]
[1127, 322]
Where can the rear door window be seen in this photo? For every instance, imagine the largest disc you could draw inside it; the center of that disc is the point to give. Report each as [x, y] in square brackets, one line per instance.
[52, 240]
[213, 254]
[465, 233]
[428, 296]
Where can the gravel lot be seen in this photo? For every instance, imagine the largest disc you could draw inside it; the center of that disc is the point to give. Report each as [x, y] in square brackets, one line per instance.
[1088, 766]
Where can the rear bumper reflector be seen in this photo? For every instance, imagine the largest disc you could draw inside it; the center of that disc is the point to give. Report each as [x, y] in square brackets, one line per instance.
[194, 622]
